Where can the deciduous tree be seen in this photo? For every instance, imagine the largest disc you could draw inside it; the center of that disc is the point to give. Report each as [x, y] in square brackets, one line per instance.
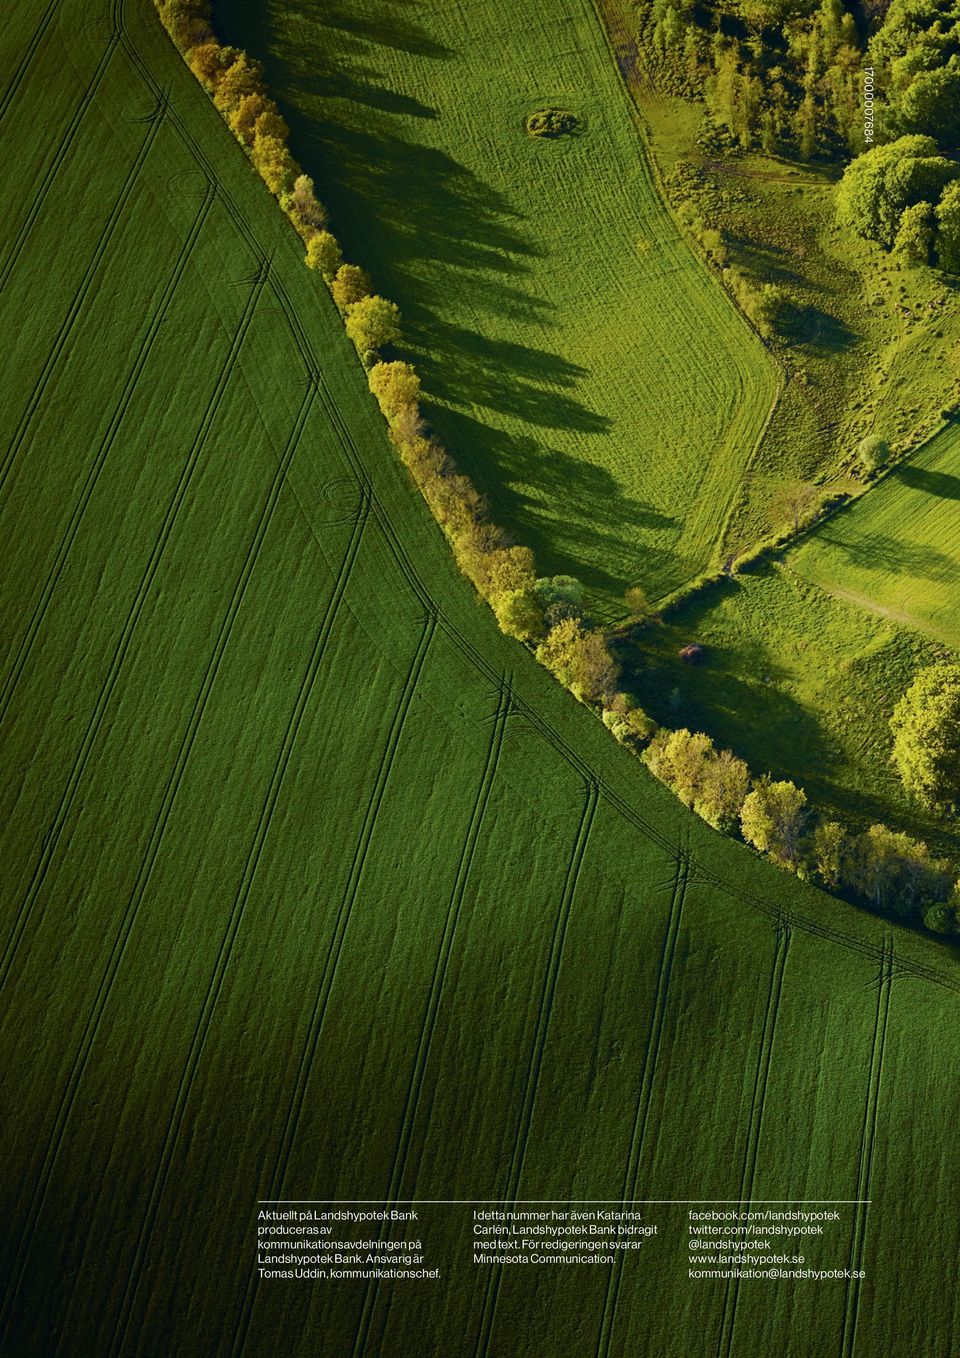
[350, 285]
[926, 737]
[579, 658]
[323, 254]
[395, 385]
[829, 845]
[873, 452]
[373, 322]
[772, 820]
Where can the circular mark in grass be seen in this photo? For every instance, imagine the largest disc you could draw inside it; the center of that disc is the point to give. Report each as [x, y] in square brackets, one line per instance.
[339, 501]
[550, 122]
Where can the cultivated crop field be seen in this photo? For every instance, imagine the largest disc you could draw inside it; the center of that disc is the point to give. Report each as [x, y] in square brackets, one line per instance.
[314, 885]
[581, 364]
[897, 552]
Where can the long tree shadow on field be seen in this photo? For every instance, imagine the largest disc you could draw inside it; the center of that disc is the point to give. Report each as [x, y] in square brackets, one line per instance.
[356, 134]
[435, 230]
[941, 484]
[593, 532]
[881, 552]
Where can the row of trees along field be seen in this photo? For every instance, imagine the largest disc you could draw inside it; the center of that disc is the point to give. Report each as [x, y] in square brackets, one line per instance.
[888, 870]
[884, 868]
[544, 612]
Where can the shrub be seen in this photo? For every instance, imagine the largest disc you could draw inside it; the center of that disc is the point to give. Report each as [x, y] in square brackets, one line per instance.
[770, 308]
[323, 254]
[627, 723]
[794, 503]
[873, 452]
[926, 737]
[561, 597]
[940, 919]
[395, 385]
[351, 284]
[550, 122]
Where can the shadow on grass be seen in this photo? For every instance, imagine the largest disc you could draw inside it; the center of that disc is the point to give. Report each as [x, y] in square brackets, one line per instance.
[600, 514]
[819, 330]
[941, 484]
[430, 229]
[806, 323]
[881, 552]
[734, 697]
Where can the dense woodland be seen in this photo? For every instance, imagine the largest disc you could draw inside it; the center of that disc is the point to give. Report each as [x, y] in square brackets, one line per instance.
[870, 85]
[787, 76]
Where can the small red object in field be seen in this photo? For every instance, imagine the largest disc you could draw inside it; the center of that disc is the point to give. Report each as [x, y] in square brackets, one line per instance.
[692, 654]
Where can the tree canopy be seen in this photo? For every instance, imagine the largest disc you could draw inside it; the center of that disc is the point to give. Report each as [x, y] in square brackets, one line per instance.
[880, 185]
[926, 737]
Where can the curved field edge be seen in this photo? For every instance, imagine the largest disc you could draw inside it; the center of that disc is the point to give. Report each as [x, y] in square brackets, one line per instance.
[279, 167]
[365, 856]
[582, 364]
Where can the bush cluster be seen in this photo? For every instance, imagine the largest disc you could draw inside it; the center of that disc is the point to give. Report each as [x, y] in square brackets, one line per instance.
[550, 122]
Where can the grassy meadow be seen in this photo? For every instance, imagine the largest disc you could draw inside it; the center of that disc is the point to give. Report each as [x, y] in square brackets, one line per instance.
[896, 554]
[806, 658]
[872, 345]
[315, 885]
[580, 363]
[800, 681]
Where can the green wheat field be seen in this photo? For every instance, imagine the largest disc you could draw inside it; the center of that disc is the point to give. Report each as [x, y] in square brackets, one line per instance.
[315, 885]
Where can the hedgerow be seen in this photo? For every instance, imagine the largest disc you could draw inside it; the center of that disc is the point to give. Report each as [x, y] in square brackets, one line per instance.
[889, 870]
